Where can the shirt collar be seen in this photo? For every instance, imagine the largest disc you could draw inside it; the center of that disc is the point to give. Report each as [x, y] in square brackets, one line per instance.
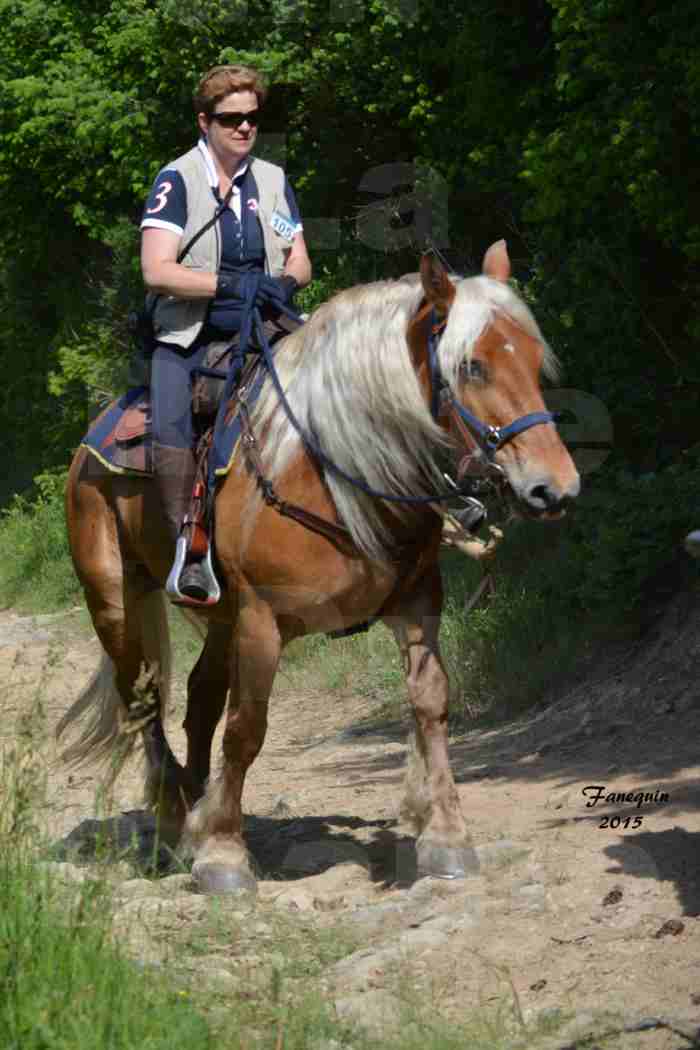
[211, 167]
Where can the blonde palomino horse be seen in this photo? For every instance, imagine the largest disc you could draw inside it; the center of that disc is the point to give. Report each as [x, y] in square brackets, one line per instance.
[358, 377]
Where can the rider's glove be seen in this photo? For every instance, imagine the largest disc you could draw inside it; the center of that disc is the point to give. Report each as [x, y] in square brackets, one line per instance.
[227, 286]
[277, 290]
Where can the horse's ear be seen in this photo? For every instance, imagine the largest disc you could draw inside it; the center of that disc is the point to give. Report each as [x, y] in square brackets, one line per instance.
[437, 287]
[496, 263]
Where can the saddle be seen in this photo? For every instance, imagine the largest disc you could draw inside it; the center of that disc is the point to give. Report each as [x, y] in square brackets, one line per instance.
[121, 436]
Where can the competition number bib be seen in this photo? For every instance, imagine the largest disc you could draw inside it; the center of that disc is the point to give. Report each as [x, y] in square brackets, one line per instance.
[283, 226]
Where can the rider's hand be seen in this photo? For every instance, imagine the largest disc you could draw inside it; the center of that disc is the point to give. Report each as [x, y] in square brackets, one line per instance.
[227, 286]
[277, 289]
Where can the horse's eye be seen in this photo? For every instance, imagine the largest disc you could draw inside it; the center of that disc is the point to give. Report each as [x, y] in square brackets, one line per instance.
[470, 370]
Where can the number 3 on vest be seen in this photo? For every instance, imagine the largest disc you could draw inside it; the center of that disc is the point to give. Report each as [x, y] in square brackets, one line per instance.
[162, 196]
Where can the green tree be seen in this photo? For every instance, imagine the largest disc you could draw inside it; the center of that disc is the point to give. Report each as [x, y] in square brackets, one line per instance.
[613, 169]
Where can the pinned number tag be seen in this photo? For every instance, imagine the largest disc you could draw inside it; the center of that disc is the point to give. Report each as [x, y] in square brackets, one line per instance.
[283, 226]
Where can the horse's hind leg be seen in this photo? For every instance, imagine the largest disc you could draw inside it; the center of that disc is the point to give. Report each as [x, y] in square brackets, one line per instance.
[129, 697]
[215, 824]
[129, 692]
[431, 801]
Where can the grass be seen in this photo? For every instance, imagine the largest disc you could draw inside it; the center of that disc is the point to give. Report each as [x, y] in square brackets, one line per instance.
[36, 572]
[64, 985]
[284, 1004]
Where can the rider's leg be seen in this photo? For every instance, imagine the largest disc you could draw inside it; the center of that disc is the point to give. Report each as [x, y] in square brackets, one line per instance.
[173, 440]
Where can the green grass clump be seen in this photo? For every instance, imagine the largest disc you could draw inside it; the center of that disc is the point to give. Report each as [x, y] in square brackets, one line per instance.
[64, 984]
[36, 572]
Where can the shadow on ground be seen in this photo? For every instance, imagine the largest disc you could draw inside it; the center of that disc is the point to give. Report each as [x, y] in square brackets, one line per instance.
[281, 849]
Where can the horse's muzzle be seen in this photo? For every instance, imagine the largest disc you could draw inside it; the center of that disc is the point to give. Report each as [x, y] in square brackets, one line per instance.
[546, 499]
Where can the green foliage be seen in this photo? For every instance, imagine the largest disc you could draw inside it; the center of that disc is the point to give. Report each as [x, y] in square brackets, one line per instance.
[631, 98]
[573, 126]
[64, 985]
[557, 586]
[36, 572]
[629, 531]
[506, 651]
[611, 165]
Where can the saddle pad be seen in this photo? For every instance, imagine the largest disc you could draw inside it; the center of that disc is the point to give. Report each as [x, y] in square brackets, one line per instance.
[120, 438]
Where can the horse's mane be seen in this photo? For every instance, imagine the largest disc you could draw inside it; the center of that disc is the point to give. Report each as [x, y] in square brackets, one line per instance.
[350, 382]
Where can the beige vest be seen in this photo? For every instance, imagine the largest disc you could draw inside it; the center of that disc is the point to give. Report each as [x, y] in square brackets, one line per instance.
[179, 321]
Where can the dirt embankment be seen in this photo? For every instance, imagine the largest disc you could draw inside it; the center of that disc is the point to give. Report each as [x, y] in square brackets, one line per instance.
[588, 900]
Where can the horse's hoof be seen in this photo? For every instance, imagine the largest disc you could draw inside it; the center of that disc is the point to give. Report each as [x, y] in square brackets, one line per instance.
[446, 862]
[215, 878]
[692, 543]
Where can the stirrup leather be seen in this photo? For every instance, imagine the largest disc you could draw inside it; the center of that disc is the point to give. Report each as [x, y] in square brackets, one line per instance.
[194, 538]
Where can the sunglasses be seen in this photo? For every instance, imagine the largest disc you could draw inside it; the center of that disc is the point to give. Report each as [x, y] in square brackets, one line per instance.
[234, 120]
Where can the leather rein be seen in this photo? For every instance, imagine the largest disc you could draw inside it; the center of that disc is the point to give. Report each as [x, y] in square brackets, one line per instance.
[481, 441]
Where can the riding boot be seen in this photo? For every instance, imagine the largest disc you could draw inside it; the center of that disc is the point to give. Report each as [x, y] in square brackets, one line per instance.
[174, 473]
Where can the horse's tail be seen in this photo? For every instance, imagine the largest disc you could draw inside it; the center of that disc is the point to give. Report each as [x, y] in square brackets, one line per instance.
[103, 737]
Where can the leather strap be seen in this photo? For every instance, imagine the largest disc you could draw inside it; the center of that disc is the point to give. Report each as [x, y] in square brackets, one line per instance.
[337, 534]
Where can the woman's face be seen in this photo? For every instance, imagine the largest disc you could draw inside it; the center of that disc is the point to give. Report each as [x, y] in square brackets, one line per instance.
[231, 144]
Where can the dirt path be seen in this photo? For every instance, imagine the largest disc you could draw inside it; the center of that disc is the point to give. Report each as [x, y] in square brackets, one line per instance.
[567, 918]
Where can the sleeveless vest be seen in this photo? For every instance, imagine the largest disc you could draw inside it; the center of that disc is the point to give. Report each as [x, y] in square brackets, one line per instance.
[179, 321]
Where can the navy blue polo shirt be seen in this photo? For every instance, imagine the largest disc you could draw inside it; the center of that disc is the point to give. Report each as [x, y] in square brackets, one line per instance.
[242, 245]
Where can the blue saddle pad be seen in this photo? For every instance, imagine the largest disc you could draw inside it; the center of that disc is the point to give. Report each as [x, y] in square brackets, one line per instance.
[120, 438]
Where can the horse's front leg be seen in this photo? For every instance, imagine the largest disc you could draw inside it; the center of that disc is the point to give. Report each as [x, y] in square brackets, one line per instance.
[215, 825]
[207, 687]
[431, 802]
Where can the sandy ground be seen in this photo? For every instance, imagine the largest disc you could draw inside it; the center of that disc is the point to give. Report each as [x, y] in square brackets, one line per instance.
[596, 906]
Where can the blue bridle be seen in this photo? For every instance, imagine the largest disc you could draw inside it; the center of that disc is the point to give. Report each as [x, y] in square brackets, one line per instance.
[488, 439]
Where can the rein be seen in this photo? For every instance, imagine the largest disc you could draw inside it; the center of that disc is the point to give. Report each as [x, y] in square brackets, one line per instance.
[486, 439]
[330, 529]
[311, 444]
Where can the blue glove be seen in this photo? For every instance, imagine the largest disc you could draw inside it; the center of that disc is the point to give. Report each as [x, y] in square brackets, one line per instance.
[276, 290]
[228, 286]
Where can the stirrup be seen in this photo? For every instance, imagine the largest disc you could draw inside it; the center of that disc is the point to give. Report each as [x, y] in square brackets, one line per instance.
[172, 588]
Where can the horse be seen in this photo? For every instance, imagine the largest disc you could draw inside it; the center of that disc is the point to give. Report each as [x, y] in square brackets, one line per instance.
[361, 376]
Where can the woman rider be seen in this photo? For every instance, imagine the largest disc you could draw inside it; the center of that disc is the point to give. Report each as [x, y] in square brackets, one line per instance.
[195, 300]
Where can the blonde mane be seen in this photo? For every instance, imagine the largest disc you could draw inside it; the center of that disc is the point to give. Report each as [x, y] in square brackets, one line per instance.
[351, 384]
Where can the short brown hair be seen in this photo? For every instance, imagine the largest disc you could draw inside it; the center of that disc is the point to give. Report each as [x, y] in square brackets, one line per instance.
[221, 81]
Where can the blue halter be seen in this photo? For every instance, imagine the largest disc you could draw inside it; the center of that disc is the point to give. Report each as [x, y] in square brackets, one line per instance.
[489, 439]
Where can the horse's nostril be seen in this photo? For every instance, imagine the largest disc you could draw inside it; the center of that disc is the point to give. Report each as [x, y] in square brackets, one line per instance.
[542, 497]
